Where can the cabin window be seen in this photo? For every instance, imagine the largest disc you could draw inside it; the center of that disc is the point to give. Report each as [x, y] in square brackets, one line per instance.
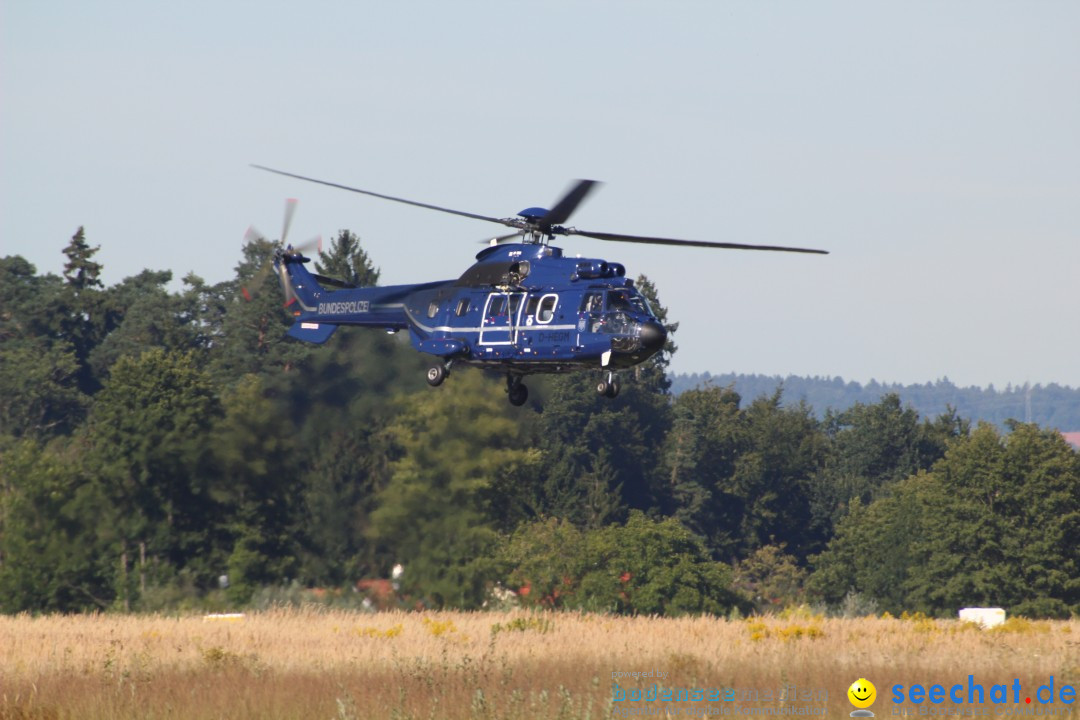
[432, 308]
[462, 306]
[497, 306]
[530, 309]
[547, 309]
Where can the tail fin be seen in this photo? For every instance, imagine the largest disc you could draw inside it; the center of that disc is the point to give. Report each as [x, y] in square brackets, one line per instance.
[296, 282]
[302, 293]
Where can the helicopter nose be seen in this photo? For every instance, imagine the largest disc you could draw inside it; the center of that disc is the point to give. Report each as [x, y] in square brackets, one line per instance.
[653, 335]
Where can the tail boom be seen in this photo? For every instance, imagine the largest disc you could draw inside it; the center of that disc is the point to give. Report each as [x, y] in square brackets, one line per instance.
[319, 311]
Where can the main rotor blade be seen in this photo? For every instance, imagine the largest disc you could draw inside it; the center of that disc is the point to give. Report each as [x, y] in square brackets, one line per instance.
[569, 202]
[689, 243]
[474, 216]
[290, 210]
[501, 239]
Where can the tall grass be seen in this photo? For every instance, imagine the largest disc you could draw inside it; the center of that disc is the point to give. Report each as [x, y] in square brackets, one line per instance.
[336, 664]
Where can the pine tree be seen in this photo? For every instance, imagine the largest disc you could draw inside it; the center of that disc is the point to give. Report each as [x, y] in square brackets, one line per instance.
[348, 261]
[82, 321]
[80, 271]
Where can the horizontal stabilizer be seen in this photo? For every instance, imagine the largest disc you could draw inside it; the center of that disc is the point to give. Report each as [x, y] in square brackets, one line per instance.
[311, 332]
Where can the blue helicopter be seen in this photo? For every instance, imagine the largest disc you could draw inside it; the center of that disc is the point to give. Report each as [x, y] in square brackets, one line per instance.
[522, 308]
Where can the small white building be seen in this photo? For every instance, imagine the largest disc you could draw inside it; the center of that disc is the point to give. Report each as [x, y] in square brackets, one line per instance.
[986, 617]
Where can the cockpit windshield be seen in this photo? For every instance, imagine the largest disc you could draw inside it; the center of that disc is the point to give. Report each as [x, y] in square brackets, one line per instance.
[625, 315]
[625, 300]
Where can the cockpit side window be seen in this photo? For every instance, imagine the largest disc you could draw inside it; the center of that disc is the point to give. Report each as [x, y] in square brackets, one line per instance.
[462, 306]
[593, 302]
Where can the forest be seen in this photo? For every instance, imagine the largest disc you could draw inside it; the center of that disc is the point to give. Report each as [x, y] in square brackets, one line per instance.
[171, 449]
[1051, 405]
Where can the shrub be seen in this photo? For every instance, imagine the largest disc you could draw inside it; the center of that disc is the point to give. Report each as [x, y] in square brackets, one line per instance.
[643, 567]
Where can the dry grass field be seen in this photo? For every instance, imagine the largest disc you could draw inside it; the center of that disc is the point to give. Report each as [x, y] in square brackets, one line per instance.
[333, 664]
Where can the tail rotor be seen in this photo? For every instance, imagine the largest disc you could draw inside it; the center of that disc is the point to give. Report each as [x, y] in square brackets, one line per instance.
[281, 250]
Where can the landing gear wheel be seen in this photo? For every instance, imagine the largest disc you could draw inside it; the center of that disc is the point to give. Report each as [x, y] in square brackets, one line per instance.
[518, 394]
[516, 390]
[436, 374]
[608, 387]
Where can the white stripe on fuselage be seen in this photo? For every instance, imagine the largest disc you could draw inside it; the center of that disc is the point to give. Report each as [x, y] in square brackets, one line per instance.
[497, 328]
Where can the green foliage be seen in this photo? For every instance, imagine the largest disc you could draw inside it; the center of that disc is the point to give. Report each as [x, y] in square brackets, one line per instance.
[773, 476]
[80, 272]
[996, 522]
[1050, 405]
[254, 462]
[641, 567]
[451, 447]
[534, 623]
[30, 304]
[700, 453]
[253, 324]
[653, 372]
[150, 430]
[51, 537]
[743, 478]
[873, 447]
[601, 457]
[21, 293]
[39, 394]
[142, 315]
[545, 560]
[152, 440]
[348, 261]
[771, 578]
[878, 442]
[80, 315]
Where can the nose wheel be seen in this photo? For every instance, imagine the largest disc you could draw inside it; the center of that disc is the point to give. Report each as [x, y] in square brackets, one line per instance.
[608, 387]
[516, 390]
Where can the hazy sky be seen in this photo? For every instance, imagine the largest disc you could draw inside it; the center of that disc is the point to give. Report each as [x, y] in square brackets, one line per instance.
[932, 147]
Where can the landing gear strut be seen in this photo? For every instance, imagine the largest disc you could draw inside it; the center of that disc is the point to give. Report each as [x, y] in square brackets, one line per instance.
[516, 390]
[609, 387]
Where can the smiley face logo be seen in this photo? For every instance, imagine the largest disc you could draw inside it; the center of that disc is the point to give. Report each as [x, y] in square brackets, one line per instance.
[862, 693]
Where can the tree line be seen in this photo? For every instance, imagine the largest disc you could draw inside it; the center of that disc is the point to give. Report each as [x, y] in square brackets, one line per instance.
[154, 443]
[1051, 405]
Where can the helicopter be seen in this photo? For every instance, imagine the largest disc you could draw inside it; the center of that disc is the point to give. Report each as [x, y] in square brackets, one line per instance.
[522, 308]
